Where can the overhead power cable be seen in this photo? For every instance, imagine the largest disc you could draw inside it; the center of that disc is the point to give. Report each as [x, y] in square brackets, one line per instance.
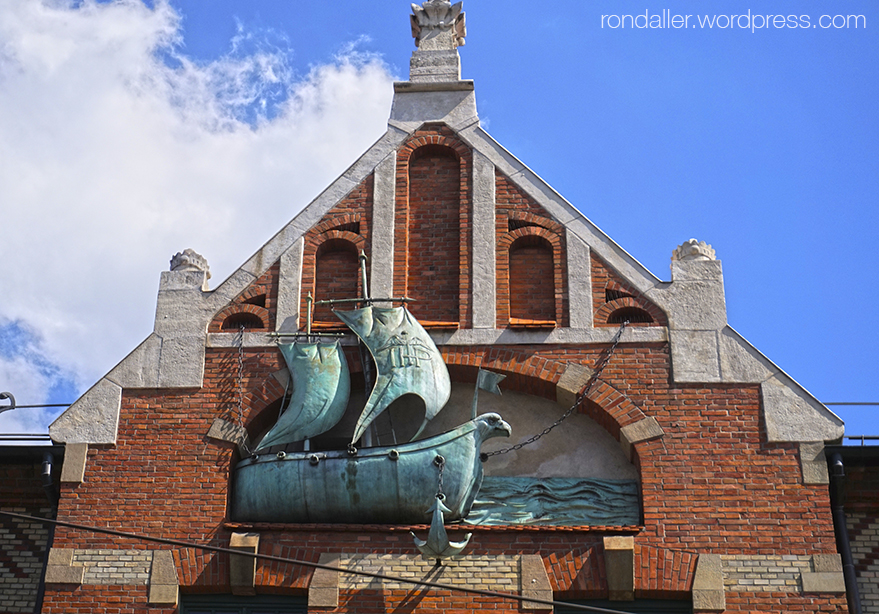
[279, 559]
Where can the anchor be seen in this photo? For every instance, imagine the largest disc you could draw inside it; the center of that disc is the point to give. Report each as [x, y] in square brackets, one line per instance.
[438, 545]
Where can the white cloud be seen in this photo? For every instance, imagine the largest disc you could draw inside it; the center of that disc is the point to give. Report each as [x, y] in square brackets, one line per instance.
[118, 151]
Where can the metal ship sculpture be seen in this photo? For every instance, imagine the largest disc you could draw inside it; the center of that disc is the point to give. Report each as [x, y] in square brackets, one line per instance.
[382, 484]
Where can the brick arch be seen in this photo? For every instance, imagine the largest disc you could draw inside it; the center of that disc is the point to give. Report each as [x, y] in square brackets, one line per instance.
[262, 313]
[540, 376]
[340, 223]
[605, 311]
[532, 219]
[444, 305]
[310, 260]
[505, 289]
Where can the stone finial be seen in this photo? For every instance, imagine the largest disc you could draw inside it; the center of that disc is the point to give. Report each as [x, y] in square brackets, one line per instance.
[438, 25]
[694, 250]
[189, 260]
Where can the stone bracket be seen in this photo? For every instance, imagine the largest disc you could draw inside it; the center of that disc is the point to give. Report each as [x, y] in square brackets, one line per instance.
[619, 561]
[164, 587]
[323, 591]
[242, 569]
[826, 575]
[708, 590]
[223, 430]
[813, 463]
[73, 468]
[534, 583]
[643, 430]
[571, 383]
[60, 568]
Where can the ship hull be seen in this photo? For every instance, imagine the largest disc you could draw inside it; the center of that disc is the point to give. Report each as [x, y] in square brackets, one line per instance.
[384, 485]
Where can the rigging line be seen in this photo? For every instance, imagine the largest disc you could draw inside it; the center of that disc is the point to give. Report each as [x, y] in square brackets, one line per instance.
[279, 559]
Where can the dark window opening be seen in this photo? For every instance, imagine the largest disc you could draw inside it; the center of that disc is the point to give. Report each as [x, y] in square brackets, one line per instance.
[634, 315]
[248, 320]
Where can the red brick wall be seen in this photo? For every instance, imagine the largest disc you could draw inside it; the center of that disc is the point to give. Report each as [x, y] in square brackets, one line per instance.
[711, 484]
[434, 203]
[519, 218]
[532, 295]
[434, 237]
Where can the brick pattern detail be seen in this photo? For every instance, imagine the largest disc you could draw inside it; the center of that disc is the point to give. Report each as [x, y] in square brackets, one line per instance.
[531, 261]
[863, 531]
[433, 200]
[663, 574]
[259, 299]
[607, 284]
[778, 573]
[22, 552]
[490, 573]
[128, 567]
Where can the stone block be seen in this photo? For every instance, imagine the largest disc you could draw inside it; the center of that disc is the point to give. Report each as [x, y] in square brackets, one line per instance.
[223, 430]
[823, 582]
[323, 590]
[694, 356]
[483, 241]
[290, 288]
[814, 464]
[792, 414]
[182, 362]
[708, 589]
[534, 583]
[381, 265]
[163, 583]
[242, 569]
[571, 383]
[619, 561]
[740, 362]
[826, 562]
[73, 469]
[60, 569]
[93, 417]
[643, 430]
[579, 281]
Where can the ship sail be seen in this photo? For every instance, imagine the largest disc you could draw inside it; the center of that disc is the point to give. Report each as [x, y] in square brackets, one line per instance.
[406, 359]
[321, 386]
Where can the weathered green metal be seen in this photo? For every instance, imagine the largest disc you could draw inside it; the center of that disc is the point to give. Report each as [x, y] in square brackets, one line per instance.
[321, 387]
[406, 359]
[389, 484]
[437, 545]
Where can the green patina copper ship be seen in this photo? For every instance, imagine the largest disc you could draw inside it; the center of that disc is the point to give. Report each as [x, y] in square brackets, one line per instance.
[385, 484]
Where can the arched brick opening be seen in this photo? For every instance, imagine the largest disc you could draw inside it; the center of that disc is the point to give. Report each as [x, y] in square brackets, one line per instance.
[331, 270]
[532, 291]
[434, 246]
[431, 260]
[530, 278]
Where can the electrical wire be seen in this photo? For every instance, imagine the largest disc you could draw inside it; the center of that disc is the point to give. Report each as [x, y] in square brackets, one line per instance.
[278, 559]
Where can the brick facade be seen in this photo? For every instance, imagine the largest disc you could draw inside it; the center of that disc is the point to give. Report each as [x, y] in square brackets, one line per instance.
[728, 516]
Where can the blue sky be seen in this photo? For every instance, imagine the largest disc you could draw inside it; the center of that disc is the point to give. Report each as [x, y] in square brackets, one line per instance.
[763, 143]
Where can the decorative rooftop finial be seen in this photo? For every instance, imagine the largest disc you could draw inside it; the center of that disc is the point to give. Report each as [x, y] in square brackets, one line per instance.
[189, 260]
[438, 25]
[694, 250]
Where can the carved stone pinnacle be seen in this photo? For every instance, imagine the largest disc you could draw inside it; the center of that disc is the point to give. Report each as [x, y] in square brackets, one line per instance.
[694, 250]
[189, 260]
[437, 17]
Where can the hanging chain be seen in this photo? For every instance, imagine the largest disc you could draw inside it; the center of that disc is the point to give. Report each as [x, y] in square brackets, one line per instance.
[240, 415]
[596, 373]
[440, 462]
